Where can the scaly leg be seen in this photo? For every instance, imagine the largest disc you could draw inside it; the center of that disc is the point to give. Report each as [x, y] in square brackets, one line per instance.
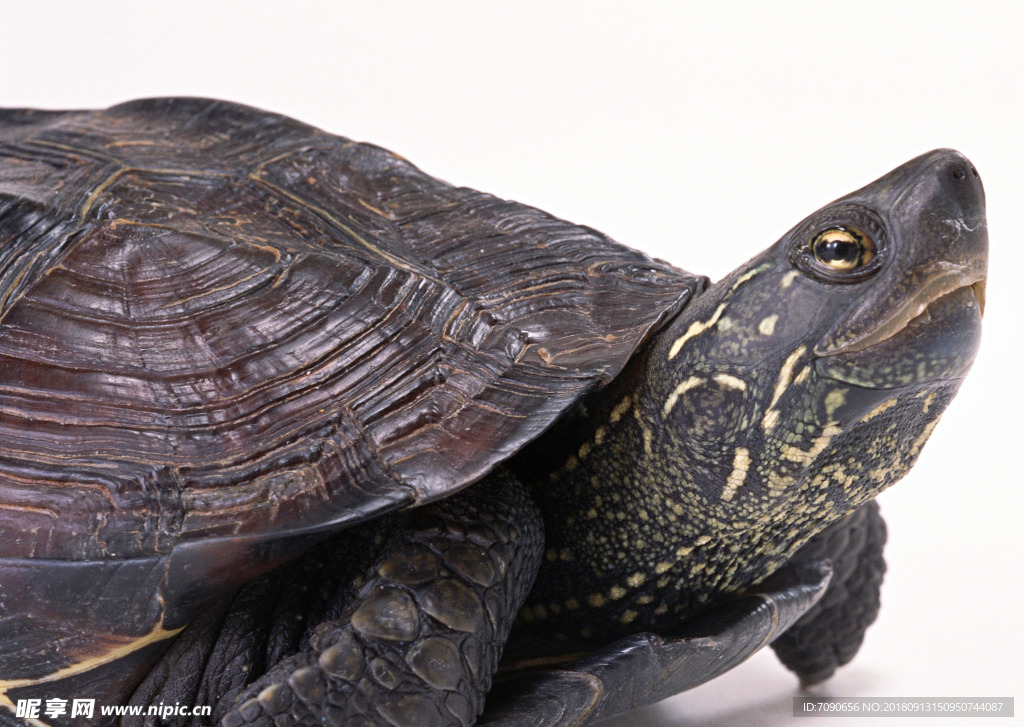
[417, 643]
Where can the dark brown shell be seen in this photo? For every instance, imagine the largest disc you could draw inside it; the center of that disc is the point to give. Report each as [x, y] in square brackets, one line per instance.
[216, 321]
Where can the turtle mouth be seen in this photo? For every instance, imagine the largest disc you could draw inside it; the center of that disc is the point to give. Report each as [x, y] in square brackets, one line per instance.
[978, 289]
[933, 340]
[924, 318]
[917, 309]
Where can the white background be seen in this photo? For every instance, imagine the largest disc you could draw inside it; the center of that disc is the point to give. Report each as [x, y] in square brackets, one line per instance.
[699, 132]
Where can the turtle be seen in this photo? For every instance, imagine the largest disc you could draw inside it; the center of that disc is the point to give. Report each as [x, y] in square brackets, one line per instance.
[295, 431]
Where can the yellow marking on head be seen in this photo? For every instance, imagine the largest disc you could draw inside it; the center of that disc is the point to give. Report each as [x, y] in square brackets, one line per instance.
[782, 383]
[540, 612]
[679, 391]
[621, 408]
[636, 580]
[591, 514]
[888, 403]
[565, 555]
[928, 402]
[788, 278]
[835, 399]
[740, 465]
[572, 604]
[662, 609]
[684, 550]
[925, 433]
[747, 276]
[584, 450]
[702, 540]
[786, 374]
[648, 434]
[644, 599]
[767, 325]
[771, 418]
[663, 567]
[818, 445]
[596, 600]
[695, 329]
[628, 616]
[730, 381]
[599, 434]
[616, 592]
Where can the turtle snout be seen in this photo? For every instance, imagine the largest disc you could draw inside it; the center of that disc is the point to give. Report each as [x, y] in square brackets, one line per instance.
[962, 184]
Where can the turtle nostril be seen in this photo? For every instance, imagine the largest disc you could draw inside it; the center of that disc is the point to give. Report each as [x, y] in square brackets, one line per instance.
[959, 173]
[975, 172]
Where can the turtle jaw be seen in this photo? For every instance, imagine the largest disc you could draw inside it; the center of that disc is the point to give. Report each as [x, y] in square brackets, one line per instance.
[952, 280]
[936, 345]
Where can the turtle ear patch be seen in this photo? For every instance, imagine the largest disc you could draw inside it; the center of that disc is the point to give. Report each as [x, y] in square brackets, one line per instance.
[710, 409]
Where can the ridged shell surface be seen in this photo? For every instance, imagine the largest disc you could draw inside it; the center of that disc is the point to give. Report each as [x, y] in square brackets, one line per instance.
[220, 322]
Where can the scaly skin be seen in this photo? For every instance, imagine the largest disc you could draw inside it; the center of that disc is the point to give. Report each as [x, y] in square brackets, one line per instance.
[416, 643]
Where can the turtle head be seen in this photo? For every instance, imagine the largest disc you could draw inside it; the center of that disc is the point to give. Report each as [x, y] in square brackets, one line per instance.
[781, 399]
[806, 382]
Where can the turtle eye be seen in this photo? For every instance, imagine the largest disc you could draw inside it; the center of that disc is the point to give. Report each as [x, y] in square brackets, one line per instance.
[842, 248]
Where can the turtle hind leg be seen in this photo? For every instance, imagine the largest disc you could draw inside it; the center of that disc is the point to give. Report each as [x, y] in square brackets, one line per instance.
[232, 643]
[830, 633]
[419, 642]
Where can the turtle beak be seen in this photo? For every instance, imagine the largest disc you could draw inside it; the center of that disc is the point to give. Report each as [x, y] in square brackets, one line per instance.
[979, 293]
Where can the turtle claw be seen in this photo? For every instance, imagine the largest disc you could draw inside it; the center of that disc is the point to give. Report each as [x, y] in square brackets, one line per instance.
[646, 668]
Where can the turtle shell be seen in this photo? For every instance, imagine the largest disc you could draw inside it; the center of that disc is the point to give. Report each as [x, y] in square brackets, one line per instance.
[220, 323]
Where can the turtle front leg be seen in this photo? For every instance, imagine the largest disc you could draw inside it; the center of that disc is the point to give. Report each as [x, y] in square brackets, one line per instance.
[419, 641]
[831, 632]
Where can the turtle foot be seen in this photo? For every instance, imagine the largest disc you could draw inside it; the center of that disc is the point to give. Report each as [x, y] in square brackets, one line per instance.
[646, 668]
[830, 633]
